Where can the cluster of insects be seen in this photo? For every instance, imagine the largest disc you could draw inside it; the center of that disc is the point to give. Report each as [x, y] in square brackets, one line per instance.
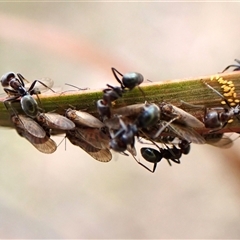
[162, 130]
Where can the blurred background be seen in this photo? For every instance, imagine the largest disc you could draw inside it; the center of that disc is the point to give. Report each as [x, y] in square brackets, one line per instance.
[70, 195]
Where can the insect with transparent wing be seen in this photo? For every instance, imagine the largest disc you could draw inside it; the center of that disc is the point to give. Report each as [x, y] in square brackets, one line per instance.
[26, 127]
[124, 138]
[83, 118]
[54, 121]
[99, 154]
[180, 122]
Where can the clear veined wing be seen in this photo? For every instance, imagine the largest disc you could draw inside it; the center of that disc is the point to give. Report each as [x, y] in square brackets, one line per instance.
[44, 145]
[187, 133]
[187, 119]
[102, 155]
[94, 136]
[28, 125]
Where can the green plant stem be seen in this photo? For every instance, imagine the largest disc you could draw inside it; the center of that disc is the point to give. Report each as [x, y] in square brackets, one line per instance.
[191, 90]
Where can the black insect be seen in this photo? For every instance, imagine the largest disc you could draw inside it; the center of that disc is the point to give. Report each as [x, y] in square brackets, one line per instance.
[151, 155]
[155, 156]
[149, 116]
[111, 94]
[18, 90]
[141, 114]
[127, 82]
[236, 66]
[184, 146]
[218, 117]
[124, 138]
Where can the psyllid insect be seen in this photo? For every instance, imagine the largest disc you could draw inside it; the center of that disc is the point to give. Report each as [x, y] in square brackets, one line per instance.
[102, 155]
[29, 125]
[54, 121]
[30, 130]
[83, 118]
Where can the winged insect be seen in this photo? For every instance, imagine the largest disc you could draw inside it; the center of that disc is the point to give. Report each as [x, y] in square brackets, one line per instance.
[54, 121]
[98, 138]
[180, 122]
[33, 133]
[124, 138]
[83, 118]
[29, 125]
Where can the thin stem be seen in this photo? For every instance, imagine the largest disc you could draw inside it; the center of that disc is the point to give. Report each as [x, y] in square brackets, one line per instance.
[192, 91]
